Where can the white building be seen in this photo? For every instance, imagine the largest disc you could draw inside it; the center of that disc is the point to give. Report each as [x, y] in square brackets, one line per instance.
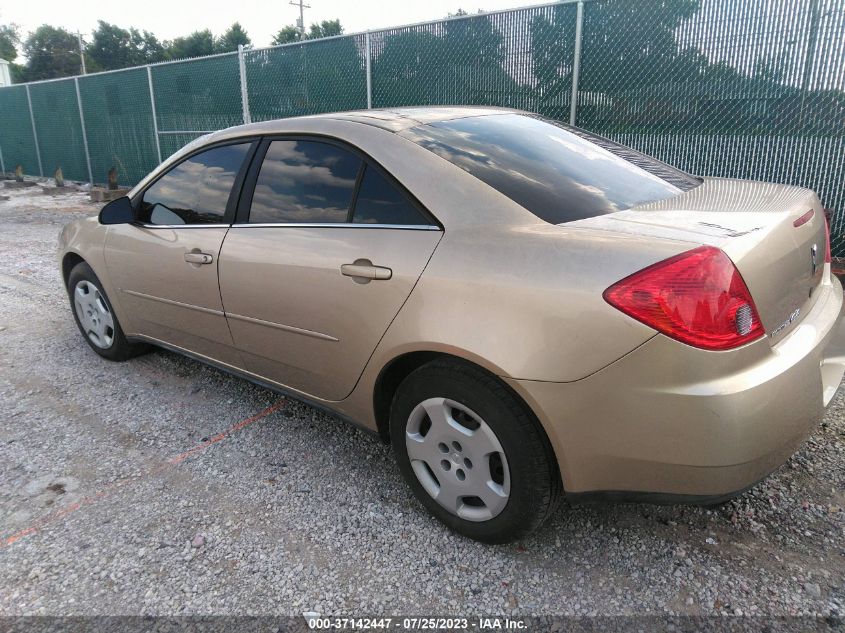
[5, 77]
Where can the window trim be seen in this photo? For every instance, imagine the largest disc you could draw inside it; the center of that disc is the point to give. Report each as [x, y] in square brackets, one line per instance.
[337, 225]
[353, 202]
[251, 179]
[234, 194]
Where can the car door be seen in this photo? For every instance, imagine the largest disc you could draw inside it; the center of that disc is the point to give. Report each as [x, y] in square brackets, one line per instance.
[165, 264]
[325, 251]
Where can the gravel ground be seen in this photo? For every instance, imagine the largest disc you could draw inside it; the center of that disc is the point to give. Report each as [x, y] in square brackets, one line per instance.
[118, 496]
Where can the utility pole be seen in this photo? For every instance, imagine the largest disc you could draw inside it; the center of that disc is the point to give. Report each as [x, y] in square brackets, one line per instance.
[81, 52]
[302, 6]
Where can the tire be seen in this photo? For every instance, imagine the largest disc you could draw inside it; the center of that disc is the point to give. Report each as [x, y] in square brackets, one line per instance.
[460, 434]
[95, 318]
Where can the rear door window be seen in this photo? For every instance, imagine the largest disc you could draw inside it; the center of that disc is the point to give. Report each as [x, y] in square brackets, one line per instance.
[379, 201]
[304, 182]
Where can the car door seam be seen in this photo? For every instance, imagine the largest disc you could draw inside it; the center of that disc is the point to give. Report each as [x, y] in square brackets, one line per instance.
[387, 329]
[235, 347]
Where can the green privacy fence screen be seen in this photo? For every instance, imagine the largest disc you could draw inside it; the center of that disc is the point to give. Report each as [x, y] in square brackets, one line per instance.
[321, 76]
[55, 111]
[119, 124]
[733, 88]
[17, 143]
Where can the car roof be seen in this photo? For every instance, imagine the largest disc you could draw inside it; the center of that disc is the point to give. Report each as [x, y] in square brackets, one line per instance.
[397, 119]
[390, 119]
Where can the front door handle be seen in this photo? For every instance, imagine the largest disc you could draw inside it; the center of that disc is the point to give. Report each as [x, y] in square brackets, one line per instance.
[363, 271]
[199, 258]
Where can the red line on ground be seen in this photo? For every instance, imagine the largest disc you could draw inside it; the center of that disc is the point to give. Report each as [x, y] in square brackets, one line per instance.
[112, 488]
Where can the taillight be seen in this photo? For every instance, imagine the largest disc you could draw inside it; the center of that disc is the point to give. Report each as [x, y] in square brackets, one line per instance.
[697, 297]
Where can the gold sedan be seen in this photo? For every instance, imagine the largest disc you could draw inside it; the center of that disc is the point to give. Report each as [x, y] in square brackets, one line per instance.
[520, 307]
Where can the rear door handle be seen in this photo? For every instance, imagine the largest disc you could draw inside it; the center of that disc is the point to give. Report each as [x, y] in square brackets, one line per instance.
[363, 271]
[199, 258]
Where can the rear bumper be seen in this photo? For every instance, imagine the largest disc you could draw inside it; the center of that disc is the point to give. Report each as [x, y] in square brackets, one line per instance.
[670, 422]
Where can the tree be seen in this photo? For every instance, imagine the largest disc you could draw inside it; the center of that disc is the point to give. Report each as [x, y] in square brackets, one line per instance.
[287, 35]
[626, 47]
[51, 52]
[196, 44]
[326, 28]
[408, 68]
[334, 75]
[552, 43]
[10, 39]
[623, 47]
[109, 47]
[113, 47]
[321, 76]
[150, 49]
[230, 40]
[461, 66]
[474, 41]
[18, 73]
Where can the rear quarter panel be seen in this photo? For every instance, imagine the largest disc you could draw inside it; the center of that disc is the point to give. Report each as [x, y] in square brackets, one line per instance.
[525, 301]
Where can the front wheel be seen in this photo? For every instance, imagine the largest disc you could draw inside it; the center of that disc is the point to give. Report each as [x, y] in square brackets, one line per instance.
[95, 318]
[473, 454]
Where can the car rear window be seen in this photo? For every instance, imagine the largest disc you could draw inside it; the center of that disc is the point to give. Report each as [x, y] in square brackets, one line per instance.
[557, 172]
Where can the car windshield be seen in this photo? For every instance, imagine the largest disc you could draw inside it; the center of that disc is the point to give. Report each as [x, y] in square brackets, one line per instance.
[557, 172]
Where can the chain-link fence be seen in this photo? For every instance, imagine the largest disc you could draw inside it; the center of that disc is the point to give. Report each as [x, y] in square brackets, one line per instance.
[17, 131]
[55, 113]
[325, 75]
[119, 126]
[738, 88]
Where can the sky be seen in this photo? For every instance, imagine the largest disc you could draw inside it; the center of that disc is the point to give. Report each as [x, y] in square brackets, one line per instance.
[261, 19]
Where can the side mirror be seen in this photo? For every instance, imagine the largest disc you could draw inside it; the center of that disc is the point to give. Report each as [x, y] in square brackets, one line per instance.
[118, 211]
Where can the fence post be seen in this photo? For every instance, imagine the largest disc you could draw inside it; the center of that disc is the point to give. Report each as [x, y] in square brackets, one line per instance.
[369, 62]
[155, 116]
[84, 133]
[576, 64]
[244, 89]
[34, 132]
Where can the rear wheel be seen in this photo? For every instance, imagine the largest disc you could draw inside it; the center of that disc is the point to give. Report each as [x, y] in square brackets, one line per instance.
[95, 318]
[473, 454]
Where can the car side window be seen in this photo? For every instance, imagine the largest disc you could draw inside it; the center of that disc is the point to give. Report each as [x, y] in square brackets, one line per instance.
[304, 182]
[197, 190]
[380, 202]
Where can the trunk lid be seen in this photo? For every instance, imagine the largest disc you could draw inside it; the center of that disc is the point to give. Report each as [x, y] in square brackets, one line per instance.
[755, 225]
